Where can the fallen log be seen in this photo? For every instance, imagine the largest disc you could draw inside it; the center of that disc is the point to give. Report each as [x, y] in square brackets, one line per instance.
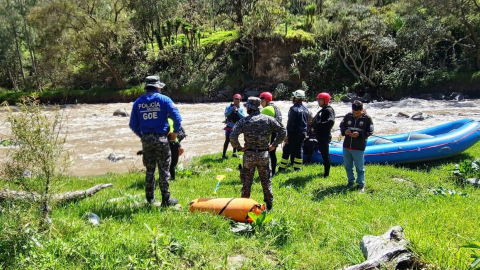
[387, 251]
[7, 194]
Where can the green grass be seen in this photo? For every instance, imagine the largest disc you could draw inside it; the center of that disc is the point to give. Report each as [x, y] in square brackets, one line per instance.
[319, 228]
[216, 38]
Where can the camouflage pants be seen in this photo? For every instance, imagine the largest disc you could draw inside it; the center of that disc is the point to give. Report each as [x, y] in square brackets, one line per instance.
[252, 160]
[156, 152]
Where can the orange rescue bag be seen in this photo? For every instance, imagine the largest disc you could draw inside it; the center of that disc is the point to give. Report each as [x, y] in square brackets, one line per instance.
[234, 208]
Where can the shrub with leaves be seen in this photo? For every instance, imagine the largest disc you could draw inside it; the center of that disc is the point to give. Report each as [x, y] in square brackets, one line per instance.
[39, 158]
[467, 169]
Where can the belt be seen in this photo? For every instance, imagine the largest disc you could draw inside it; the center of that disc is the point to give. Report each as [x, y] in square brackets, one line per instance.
[155, 133]
[256, 150]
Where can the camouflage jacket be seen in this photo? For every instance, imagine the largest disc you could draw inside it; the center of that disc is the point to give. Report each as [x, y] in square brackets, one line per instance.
[256, 129]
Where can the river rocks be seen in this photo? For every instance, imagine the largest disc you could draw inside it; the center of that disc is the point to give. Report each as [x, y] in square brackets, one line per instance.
[121, 112]
[440, 96]
[404, 115]
[252, 93]
[226, 94]
[114, 157]
[418, 116]
[456, 96]
[350, 97]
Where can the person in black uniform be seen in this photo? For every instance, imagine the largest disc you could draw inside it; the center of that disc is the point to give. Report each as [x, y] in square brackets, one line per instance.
[323, 123]
[299, 117]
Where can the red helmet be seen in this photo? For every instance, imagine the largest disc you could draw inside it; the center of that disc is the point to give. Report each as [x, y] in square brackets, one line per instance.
[237, 96]
[267, 96]
[325, 96]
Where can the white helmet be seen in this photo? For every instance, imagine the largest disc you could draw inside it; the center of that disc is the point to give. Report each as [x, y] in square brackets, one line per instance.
[299, 94]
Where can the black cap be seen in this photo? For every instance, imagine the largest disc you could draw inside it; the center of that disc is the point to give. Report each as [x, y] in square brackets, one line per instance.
[357, 105]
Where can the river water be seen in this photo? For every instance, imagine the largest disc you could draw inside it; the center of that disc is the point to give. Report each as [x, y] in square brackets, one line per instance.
[94, 133]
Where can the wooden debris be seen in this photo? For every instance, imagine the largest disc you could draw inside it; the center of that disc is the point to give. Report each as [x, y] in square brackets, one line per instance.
[7, 194]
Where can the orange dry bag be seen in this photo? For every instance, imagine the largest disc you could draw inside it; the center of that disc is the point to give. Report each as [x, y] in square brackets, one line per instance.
[234, 208]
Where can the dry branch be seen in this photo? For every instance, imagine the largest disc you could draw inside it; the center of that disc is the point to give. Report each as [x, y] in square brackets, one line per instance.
[7, 194]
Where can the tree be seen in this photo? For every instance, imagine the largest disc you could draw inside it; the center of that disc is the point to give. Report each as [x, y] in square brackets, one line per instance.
[388, 58]
[310, 12]
[40, 159]
[88, 32]
[235, 9]
[362, 44]
[465, 13]
[150, 16]
[261, 22]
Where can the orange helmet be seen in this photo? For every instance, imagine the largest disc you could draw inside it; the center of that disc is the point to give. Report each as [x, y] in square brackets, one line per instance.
[267, 96]
[325, 96]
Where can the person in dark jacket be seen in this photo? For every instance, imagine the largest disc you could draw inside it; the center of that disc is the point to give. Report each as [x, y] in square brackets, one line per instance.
[256, 129]
[149, 121]
[323, 123]
[272, 110]
[356, 126]
[299, 118]
[176, 150]
[233, 113]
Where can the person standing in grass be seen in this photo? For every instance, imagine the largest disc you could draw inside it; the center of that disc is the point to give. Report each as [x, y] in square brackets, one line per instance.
[233, 113]
[149, 121]
[270, 109]
[356, 126]
[175, 149]
[256, 129]
[299, 118]
[323, 123]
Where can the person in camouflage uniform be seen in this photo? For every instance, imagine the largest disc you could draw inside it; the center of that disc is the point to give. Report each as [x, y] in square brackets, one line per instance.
[256, 129]
[149, 122]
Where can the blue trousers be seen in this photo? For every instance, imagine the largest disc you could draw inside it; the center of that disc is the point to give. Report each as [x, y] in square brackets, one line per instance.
[351, 158]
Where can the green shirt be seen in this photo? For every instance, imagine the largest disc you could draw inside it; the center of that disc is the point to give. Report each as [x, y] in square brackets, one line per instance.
[170, 124]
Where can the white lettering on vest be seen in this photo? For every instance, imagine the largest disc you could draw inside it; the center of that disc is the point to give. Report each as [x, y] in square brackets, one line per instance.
[150, 115]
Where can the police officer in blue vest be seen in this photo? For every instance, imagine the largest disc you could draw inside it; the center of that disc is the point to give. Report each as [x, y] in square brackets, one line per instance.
[149, 121]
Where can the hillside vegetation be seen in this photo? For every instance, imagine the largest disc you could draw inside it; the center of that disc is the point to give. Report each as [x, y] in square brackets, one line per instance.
[387, 48]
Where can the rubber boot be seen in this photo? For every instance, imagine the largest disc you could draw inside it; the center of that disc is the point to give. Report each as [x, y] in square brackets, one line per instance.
[167, 201]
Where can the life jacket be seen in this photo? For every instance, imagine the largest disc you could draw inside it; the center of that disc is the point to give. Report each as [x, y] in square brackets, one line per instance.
[233, 117]
[278, 113]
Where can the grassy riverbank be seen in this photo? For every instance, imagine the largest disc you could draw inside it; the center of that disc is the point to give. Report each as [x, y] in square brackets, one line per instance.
[315, 226]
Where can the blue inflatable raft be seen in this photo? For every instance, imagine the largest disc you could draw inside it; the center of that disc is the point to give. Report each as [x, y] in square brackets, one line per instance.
[423, 145]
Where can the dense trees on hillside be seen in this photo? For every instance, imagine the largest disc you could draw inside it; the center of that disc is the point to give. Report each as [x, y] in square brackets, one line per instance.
[386, 47]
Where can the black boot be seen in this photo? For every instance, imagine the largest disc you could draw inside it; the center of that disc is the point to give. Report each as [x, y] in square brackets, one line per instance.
[269, 206]
[167, 201]
[327, 172]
